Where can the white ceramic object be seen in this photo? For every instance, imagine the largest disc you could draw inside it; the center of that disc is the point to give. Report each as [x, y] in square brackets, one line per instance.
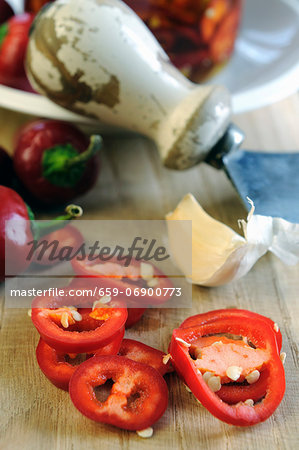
[98, 58]
[263, 69]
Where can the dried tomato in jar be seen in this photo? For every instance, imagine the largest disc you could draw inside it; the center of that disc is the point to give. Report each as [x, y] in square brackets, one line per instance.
[198, 35]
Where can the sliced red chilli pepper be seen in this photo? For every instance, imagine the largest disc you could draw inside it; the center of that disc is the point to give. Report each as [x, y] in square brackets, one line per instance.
[223, 41]
[166, 38]
[216, 11]
[239, 392]
[137, 351]
[191, 58]
[134, 314]
[232, 393]
[59, 370]
[256, 331]
[242, 314]
[68, 236]
[138, 397]
[187, 17]
[130, 283]
[77, 330]
[188, 34]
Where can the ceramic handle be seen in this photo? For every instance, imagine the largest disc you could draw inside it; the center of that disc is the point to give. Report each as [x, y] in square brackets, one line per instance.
[97, 58]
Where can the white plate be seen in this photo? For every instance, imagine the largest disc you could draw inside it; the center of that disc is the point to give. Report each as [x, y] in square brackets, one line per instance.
[265, 66]
[263, 69]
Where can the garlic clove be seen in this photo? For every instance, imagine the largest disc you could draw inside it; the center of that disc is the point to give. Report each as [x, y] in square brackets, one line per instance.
[219, 254]
[212, 242]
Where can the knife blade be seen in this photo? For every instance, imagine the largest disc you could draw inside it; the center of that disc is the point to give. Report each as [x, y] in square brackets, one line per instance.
[269, 179]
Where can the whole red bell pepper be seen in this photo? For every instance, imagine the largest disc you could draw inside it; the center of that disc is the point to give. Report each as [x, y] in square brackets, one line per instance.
[55, 161]
[260, 334]
[16, 230]
[6, 11]
[58, 367]
[138, 397]
[14, 35]
[6, 168]
[15, 226]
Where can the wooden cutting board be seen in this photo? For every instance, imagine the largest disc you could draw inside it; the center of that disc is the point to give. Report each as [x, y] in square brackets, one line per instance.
[133, 184]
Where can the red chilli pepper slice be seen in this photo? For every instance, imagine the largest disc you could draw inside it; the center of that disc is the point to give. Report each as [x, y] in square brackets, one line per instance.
[223, 41]
[238, 392]
[138, 397]
[232, 393]
[212, 16]
[261, 335]
[68, 236]
[139, 352]
[242, 314]
[72, 330]
[129, 282]
[134, 315]
[58, 370]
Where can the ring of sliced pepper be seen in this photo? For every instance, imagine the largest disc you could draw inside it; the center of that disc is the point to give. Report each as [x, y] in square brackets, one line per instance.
[55, 367]
[131, 278]
[132, 380]
[93, 329]
[260, 333]
[237, 392]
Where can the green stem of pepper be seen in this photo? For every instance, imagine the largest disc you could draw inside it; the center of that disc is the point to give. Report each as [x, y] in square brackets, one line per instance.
[41, 228]
[95, 145]
[63, 165]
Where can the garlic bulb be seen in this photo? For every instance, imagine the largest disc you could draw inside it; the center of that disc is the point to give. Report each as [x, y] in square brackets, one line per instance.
[219, 254]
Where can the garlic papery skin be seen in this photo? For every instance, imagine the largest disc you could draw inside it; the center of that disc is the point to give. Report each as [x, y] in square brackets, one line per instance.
[219, 254]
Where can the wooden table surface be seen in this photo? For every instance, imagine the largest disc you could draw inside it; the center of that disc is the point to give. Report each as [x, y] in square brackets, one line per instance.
[133, 184]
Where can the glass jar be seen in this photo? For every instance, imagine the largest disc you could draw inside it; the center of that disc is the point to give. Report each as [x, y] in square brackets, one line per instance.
[198, 35]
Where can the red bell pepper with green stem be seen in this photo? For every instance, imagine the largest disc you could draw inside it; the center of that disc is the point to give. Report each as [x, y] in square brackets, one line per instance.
[55, 161]
[17, 229]
[14, 35]
[138, 397]
[261, 335]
